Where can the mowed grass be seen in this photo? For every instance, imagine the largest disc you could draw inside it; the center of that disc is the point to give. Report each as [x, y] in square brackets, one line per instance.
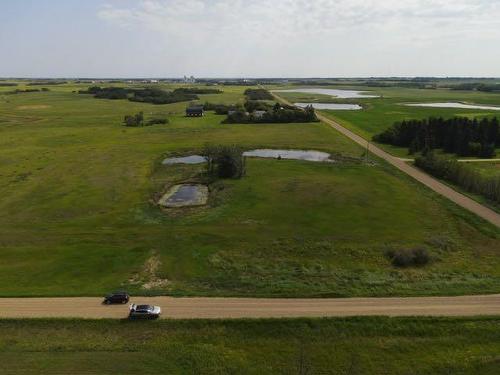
[381, 113]
[77, 218]
[348, 346]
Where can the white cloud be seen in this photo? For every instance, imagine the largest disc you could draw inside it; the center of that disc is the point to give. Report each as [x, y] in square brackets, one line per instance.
[225, 34]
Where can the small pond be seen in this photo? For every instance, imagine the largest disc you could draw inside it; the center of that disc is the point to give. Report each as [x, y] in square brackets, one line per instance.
[341, 94]
[191, 159]
[290, 154]
[186, 195]
[454, 105]
[308, 155]
[332, 106]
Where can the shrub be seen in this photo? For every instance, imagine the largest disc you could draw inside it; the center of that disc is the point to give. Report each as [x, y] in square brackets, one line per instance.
[135, 120]
[409, 257]
[157, 121]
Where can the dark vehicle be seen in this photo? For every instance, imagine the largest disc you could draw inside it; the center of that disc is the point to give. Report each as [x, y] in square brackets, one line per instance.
[144, 312]
[116, 297]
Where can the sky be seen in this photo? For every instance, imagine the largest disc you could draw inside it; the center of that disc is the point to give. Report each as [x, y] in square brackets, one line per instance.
[249, 38]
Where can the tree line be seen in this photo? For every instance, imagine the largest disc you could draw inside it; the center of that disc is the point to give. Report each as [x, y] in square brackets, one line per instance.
[278, 114]
[458, 135]
[47, 83]
[145, 95]
[475, 86]
[258, 94]
[249, 106]
[460, 174]
[19, 91]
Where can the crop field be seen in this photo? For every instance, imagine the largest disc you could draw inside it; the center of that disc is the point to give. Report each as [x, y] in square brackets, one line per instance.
[379, 114]
[334, 346]
[77, 215]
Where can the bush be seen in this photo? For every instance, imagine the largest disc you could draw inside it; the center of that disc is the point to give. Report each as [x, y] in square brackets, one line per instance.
[135, 120]
[416, 257]
[157, 121]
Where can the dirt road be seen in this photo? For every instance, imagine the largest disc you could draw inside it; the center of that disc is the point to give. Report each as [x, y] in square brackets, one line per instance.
[220, 308]
[440, 188]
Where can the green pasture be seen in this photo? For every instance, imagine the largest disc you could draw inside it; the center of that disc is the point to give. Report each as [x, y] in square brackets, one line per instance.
[77, 213]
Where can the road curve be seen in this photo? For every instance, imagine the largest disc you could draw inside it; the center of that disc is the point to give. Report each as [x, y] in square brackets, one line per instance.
[440, 188]
[232, 308]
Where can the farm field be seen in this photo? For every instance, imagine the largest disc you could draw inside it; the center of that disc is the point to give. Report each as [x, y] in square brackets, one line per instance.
[341, 346]
[76, 216]
[379, 114]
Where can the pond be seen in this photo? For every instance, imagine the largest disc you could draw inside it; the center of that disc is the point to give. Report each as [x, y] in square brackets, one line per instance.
[308, 155]
[331, 106]
[186, 195]
[454, 105]
[191, 159]
[341, 94]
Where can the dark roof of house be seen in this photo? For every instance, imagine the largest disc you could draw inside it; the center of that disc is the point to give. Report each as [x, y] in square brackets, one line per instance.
[196, 109]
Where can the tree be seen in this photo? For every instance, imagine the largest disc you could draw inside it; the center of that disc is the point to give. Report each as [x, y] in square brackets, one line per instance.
[224, 161]
[135, 120]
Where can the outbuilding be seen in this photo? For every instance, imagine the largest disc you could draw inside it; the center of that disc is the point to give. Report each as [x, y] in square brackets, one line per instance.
[194, 111]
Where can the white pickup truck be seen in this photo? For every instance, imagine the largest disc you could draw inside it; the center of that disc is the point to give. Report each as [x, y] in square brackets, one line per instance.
[144, 311]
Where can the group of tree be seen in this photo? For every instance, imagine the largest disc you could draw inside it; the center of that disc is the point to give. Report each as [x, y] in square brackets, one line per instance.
[475, 86]
[459, 135]
[8, 84]
[137, 120]
[224, 161]
[258, 94]
[47, 83]
[198, 90]
[158, 96]
[277, 114]
[249, 106]
[19, 91]
[144, 95]
[460, 174]
[220, 109]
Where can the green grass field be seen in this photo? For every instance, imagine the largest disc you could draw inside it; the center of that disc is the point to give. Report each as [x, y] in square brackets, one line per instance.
[487, 168]
[379, 114]
[397, 346]
[76, 216]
